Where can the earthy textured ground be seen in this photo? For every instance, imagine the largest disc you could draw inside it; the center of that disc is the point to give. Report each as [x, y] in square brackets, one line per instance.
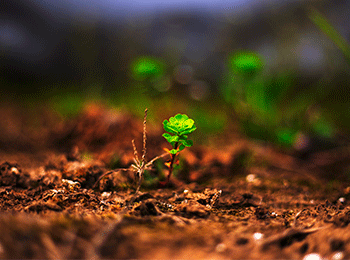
[238, 199]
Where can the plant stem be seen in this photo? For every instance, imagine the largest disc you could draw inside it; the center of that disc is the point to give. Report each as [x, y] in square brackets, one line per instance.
[172, 160]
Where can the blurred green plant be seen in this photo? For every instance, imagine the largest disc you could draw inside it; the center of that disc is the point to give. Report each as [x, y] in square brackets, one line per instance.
[146, 67]
[327, 28]
[242, 68]
[209, 119]
[68, 105]
[149, 72]
[269, 107]
[332, 93]
[179, 126]
[246, 62]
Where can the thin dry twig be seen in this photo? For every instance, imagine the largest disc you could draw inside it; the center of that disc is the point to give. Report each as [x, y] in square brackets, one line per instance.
[144, 136]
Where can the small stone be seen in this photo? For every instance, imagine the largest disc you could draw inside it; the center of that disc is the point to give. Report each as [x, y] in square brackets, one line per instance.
[273, 214]
[105, 194]
[250, 178]
[312, 256]
[341, 200]
[338, 256]
[257, 236]
[220, 248]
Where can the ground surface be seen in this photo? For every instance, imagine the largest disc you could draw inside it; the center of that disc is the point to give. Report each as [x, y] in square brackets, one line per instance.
[236, 200]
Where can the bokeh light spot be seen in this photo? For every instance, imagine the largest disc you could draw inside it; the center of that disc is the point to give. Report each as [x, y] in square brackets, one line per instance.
[199, 90]
[183, 74]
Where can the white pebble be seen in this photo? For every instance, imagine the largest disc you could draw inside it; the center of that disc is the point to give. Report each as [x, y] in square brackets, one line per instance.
[250, 178]
[220, 248]
[274, 214]
[341, 199]
[312, 256]
[105, 194]
[338, 256]
[258, 236]
[14, 170]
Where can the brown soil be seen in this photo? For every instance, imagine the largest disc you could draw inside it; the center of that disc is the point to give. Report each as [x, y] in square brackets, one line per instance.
[242, 200]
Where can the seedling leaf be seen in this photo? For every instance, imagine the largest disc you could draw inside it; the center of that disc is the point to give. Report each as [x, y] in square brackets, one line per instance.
[173, 151]
[171, 139]
[186, 143]
[169, 127]
[181, 148]
[189, 130]
[188, 123]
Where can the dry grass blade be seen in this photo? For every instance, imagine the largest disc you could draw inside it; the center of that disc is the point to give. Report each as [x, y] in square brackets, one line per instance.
[144, 136]
[136, 157]
[139, 166]
[155, 158]
[108, 173]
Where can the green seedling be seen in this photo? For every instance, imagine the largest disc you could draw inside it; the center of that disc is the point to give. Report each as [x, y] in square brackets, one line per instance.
[178, 127]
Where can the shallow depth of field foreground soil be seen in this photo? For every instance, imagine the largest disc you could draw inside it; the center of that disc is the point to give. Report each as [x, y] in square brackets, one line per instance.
[236, 200]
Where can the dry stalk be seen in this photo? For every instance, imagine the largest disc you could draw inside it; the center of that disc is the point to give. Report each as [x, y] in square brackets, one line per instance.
[139, 166]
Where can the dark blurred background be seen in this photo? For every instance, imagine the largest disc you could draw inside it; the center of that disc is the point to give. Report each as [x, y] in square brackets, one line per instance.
[278, 68]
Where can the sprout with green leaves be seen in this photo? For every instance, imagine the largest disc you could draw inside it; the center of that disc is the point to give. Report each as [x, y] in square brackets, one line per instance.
[178, 127]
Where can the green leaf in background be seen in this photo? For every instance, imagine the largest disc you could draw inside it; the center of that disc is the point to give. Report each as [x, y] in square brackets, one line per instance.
[325, 26]
[286, 136]
[246, 62]
[68, 105]
[147, 67]
[210, 120]
[323, 128]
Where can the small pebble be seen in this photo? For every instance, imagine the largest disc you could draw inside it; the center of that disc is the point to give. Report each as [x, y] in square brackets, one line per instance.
[220, 248]
[312, 256]
[257, 236]
[14, 170]
[250, 178]
[274, 214]
[71, 185]
[338, 256]
[341, 199]
[105, 194]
